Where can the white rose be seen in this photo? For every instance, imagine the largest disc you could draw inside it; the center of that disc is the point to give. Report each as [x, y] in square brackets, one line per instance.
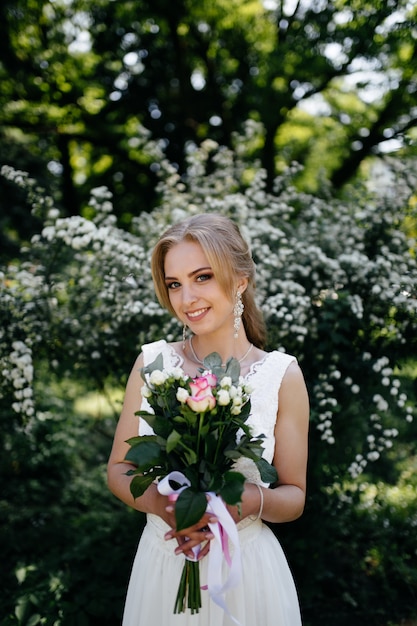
[177, 373]
[146, 392]
[223, 397]
[157, 378]
[182, 395]
[237, 401]
[248, 389]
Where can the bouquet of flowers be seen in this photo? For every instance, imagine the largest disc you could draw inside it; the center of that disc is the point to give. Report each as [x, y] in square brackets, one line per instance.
[200, 431]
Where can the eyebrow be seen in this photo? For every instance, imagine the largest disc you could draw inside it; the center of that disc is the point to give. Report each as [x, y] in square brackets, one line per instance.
[191, 274]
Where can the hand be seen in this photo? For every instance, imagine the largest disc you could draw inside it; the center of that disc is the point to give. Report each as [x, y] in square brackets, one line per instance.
[197, 535]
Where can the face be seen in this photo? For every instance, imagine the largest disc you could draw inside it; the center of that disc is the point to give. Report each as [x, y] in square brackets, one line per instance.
[194, 293]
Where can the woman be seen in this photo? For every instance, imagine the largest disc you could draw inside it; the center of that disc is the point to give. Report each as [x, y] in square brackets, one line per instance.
[204, 275]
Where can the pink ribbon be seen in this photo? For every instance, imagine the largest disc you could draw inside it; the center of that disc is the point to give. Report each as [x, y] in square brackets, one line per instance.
[225, 533]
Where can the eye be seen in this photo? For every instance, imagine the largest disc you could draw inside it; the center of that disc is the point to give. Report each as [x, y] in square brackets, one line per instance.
[201, 278]
[174, 284]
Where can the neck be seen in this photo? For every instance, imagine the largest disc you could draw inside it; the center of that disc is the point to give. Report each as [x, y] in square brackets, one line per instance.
[240, 351]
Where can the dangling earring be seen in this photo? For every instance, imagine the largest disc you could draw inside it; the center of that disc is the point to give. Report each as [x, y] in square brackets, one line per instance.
[237, 312]
[184, 336]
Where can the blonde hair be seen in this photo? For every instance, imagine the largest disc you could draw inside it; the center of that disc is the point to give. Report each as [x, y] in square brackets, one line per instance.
[229, 257]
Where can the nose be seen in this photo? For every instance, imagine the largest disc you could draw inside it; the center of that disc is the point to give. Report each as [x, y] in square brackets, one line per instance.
[188, 295]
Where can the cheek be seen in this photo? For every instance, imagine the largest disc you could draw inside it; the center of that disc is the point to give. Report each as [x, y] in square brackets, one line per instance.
[171, 297]
[174, 299]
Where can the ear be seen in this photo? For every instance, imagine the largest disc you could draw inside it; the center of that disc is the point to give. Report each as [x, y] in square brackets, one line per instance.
[242, 284]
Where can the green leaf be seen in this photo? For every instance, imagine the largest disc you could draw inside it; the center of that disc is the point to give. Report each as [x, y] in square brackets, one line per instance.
[145, 453]
[179, 419]
[232, 490]
[190, 456]
[212, 361]
[267, 471]
[233, 370]
[245, 411]
[133, 440]
[160, 425]
[157, 364]
[148, 417]
[233, 454]
[189, 415]
[251, 452]
[139, 484]
[173, 440]
[189, 508]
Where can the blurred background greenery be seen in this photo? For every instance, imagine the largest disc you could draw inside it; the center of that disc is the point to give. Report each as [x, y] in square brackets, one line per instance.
[170, 108]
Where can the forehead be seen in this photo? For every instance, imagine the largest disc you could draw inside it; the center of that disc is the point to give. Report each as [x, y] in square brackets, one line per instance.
[184, 257]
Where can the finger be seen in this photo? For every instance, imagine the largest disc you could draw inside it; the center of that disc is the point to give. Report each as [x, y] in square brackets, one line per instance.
[204, 551]
[202, 523]
[192, 542]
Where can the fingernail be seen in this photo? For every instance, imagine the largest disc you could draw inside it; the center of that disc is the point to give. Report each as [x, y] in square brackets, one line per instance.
[169, 508]
[167, 536]
[213, 520]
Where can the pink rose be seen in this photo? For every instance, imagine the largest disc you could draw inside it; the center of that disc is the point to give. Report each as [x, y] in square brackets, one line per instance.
[201, 398]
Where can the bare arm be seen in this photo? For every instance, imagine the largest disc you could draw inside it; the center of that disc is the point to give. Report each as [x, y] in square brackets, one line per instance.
[119, 484]
[286, 501]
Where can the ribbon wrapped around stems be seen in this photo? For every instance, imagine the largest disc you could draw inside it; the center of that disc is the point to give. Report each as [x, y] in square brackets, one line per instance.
[225, 532]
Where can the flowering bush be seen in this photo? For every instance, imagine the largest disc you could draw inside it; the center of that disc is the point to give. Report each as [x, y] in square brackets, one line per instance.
[339, 292]
[336, 280]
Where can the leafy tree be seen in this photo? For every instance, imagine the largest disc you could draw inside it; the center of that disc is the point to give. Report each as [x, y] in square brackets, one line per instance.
[331, 83]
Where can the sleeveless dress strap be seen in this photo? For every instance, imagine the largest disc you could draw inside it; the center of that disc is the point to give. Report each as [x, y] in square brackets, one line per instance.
[151, 351]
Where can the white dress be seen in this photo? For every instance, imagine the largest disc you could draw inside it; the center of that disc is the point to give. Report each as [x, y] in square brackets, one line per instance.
[266, 595]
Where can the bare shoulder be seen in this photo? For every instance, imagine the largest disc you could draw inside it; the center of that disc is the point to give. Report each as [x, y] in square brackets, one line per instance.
[135, 380]
[293, 391]
[176, 345]
[293, 374]
[137, 365]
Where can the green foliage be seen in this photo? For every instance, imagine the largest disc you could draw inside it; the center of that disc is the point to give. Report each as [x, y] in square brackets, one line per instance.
[365, 568]
[62, 530]
[331, 83]
[337, 282]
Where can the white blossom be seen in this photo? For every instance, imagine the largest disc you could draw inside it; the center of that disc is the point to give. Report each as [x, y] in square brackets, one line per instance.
[182, 395]
[307, 263]
[146, 391]
[223, 397]
[157, 377]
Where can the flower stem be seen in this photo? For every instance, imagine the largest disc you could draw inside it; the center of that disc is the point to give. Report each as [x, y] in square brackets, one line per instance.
[189, 594]
[200, 425]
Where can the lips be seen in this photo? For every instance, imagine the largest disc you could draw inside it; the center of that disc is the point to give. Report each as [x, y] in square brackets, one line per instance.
[196, 315]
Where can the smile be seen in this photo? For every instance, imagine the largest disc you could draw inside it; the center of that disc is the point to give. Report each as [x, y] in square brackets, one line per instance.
[197, 313]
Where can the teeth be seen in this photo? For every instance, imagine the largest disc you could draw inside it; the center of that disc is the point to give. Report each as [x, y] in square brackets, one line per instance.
[196, 313]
